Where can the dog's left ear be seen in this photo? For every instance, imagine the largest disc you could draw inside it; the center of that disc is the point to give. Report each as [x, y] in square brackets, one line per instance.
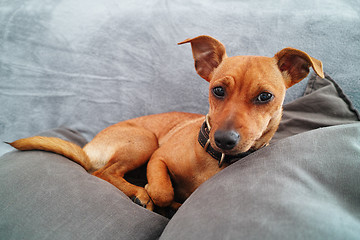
[208, 54]
[295, 65]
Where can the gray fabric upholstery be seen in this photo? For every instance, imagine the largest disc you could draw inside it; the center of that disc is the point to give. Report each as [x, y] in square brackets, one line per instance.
[323, 104]
[46, 196]
[301, 187]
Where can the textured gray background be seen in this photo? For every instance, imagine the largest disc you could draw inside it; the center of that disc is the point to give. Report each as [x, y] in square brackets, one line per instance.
[87, 64]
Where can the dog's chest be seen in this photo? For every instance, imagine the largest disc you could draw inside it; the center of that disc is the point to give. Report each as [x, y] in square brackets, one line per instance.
[188, 163]
[190, 171]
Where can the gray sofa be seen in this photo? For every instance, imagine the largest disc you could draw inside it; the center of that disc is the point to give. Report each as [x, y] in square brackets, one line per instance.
[72, 68]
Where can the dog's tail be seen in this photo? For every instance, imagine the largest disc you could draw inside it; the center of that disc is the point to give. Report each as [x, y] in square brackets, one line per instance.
[56, 145]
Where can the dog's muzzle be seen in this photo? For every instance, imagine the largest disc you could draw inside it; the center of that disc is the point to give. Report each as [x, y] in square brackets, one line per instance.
[204, 141]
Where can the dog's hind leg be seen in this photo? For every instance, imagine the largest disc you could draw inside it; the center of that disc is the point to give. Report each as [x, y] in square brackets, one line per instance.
[129, 148]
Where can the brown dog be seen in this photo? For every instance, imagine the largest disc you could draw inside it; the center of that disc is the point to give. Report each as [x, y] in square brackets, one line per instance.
[183, 150]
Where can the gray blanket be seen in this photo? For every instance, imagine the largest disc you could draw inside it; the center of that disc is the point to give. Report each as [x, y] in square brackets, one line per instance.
[87, 64]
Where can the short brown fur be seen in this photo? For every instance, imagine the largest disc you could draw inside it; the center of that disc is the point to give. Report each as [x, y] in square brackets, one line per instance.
[168, 142]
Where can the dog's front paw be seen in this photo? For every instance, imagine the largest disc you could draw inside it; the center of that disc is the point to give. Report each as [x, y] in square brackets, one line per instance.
[143, 199]
[161, 197]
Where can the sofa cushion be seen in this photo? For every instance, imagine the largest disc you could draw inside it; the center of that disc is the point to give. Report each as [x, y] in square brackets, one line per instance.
[47, 196]
[301, 187]
[323, 104]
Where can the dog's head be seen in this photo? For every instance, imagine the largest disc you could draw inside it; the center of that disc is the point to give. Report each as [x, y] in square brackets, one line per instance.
[247, 92]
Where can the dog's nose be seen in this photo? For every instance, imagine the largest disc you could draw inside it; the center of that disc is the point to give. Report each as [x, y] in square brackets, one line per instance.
[226, 140]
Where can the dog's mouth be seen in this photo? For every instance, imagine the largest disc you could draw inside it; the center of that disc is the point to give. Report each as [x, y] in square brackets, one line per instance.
[222, 155]
[234, 152]
[230, 156]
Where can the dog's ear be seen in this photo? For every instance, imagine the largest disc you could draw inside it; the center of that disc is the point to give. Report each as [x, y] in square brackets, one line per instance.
[294, 65]
[208, 54]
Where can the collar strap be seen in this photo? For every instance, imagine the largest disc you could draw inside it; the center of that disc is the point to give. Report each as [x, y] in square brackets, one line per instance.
[219, 156]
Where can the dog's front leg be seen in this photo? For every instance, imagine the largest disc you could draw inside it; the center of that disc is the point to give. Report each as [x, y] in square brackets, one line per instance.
[159, 185]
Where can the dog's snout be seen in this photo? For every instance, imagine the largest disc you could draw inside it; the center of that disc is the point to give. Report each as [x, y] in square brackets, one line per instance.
[226, 140]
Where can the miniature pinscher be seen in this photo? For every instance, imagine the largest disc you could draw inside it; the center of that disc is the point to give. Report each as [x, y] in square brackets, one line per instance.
[183, 150]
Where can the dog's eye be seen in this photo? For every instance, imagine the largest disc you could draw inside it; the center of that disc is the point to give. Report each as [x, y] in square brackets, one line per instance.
[264, 97]
[218, 92]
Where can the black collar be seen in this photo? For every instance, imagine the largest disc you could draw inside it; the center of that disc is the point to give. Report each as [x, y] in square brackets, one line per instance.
[219, 156]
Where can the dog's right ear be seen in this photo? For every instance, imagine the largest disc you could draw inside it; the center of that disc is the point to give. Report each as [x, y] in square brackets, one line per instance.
[208, 54]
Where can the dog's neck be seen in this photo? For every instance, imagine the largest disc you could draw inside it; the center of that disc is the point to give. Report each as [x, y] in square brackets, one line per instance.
[222, 158]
